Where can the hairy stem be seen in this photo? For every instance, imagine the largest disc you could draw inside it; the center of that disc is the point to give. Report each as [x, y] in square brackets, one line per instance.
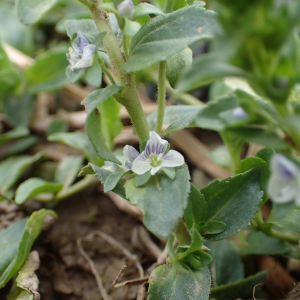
[161, 97]
[169, 6]
[130, 97]
[106, 71]
[267, 230]
[86, 2]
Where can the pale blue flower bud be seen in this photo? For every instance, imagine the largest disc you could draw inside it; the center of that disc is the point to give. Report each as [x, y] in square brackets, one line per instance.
[284, 182]
[81, 54]
[240, 114]
[126, 8]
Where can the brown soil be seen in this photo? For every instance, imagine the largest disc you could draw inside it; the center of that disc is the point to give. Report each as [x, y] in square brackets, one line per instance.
[64, 273]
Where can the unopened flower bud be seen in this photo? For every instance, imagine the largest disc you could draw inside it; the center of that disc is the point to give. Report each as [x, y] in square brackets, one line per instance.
[239, 113]
[126, 9]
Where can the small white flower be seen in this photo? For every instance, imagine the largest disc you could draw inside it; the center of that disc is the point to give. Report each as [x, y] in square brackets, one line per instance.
[126, 8]
[130, 154]
[240, 114]
[284, 183]
[154, 157]
[81, 55]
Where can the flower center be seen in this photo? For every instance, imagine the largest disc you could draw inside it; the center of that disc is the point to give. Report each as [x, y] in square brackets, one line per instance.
[155, 160]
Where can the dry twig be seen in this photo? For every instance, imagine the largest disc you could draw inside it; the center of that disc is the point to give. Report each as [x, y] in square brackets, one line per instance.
[125, 206]
[196, 151]
[94, 270]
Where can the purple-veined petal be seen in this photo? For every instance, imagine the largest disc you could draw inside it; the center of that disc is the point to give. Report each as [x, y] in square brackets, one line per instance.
[87, 57]
[281, 190]
[279, 164]
[141, 164]
[155, 145]
[73, 57]
[80, 42]
[172, 159]
[130, 154]
[154, 170]
[284, 183]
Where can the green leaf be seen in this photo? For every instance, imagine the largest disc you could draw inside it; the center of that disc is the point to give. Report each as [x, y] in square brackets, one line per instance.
[242, 288]
[260, 136]
[9, 77]
[265, 154]
[94, 74]
[111, 124]
[227, 263]
[162, 200]
[206, 69]
[86, 170]
[196, 210]
[57, 125]
[166, 35]
[12, 168]
[213, 227]
[76, 140]
[31, 11]
[16, 242]
[33, 187]
[261, 244]
[170, 172]
[209, 116]
[131, 27]
[107, 124]
[18, 36]
[48, 73]
[67, 170]
[177, 64]
[112, 180]
[102, 175]
[140, 180]
[233, 201]
[176, 117]
[220, 155]
[75, 75]
[14, 133]
[144, 9]
[87, 27]
[93, 129]
[26, 284]
[17, 109]
[94, 99]
[167, 282]
[19, 146]
[285, 216]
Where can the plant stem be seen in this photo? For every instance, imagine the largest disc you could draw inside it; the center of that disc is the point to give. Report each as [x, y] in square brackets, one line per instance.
[77, 187]
[169, 6]
[125, 46]
[267, 230]
[161, 97]
[182, 234]
[86, 2]
[106, 71]
[130, 97]
[70, 191]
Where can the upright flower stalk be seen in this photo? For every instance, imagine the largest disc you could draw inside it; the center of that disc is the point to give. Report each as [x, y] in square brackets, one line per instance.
[161, 97]
[130, 97]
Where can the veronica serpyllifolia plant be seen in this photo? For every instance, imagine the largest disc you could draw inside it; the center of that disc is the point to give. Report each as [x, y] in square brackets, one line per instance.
[81, 54]
[284, 183]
